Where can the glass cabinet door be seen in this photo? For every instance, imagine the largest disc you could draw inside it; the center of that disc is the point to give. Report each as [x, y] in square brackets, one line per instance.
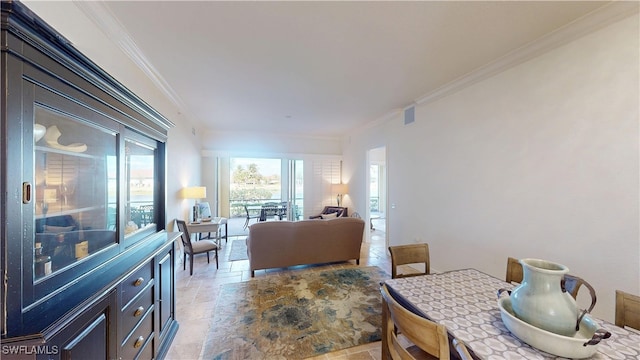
[140, 186]
[75, 192]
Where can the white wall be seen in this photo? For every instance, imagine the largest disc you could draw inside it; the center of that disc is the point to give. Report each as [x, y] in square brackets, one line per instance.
[540, 161]
[263, 144]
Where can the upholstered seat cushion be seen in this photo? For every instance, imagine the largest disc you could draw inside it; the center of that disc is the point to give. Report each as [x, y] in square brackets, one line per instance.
[203, 245]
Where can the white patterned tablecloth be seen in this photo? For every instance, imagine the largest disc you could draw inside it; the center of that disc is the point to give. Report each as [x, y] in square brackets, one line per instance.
[465, 301]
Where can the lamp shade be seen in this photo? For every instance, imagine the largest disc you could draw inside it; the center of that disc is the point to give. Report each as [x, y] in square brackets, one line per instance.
[50, 195]
[339, 189]
[194, 192]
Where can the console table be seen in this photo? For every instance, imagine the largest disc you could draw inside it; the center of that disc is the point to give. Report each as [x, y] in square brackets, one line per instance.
[212, 226]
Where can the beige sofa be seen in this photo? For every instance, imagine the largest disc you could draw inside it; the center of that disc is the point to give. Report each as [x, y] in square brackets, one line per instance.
[275, 244]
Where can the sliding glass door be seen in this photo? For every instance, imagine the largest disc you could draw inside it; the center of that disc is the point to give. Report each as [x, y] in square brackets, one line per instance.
[296, 189]
[256, 182]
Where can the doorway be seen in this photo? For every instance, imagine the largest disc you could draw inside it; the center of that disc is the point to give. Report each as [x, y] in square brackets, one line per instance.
[377, 191]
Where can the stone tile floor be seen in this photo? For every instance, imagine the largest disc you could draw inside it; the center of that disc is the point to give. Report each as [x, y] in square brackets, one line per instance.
[196, 296]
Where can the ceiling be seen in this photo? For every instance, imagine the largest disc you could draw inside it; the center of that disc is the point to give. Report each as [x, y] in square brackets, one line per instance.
[319, 68]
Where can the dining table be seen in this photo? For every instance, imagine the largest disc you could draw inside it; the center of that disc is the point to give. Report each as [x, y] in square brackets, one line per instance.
[465, 301]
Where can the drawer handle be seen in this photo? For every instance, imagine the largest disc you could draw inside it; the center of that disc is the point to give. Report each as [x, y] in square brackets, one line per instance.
[138, 311]
[139, 342]
[139, 281]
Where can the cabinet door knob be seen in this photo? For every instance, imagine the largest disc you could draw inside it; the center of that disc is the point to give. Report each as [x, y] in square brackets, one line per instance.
[138, 311]
[139, 281]
[139, 342]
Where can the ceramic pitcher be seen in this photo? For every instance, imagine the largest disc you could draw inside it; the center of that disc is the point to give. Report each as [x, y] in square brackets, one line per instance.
[540, 300]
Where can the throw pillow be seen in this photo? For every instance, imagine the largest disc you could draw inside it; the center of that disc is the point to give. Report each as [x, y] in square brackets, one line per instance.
[329, 216]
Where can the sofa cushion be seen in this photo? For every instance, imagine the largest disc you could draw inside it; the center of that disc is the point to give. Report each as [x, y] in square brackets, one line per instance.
[332, 215]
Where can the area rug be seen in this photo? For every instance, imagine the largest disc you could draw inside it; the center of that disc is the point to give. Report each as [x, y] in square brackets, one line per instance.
[238, 250]
[296, 315]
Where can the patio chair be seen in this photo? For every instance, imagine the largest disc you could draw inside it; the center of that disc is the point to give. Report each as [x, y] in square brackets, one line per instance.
[249, 217]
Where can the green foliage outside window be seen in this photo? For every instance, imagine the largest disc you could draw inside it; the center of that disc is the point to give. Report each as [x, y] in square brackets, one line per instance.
[250, 187]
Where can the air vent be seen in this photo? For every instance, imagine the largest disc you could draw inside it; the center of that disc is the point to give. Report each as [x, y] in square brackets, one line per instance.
[409, 115]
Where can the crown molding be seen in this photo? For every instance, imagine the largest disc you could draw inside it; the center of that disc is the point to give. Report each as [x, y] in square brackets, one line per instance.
[106, 21]
[591, 22]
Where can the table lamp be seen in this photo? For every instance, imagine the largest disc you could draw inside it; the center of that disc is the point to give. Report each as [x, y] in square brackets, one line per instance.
[196, 193]
[339, 189]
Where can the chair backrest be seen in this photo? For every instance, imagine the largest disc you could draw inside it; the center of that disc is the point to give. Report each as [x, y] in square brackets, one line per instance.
[514, 271]
[186, 237]
[425, 334]
[409, 254]
[627, 310]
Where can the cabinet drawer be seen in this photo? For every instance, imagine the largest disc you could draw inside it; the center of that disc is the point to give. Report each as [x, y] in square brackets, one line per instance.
[138, 338]
[135, 283]
[147, 350]
[136, 310]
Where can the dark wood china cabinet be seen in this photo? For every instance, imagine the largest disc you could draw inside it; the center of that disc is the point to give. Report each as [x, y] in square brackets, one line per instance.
[87, 266]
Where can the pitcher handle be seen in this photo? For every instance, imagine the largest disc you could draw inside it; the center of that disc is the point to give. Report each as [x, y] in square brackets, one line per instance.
[577, 281]
[592, 292]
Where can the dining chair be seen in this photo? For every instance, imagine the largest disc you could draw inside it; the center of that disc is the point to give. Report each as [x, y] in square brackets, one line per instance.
[409, 254]
[462, 350]
[249, 217]
[194, 247]
[514, 270]
[420, 337]
[627, 310]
